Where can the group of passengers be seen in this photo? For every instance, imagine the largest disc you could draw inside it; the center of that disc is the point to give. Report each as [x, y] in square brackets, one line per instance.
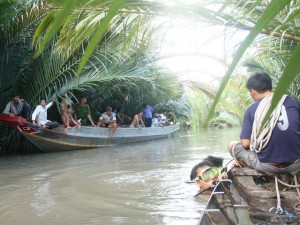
[79, 114]
[159, 120]
[276, 150]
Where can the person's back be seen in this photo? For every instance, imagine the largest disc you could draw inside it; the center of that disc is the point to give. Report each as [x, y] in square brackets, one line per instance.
[276, 148]
[284, 143]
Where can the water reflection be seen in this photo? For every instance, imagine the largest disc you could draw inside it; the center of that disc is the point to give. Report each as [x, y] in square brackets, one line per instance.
[141, 183]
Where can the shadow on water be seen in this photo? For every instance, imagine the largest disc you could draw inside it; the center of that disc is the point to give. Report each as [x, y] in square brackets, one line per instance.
[141, 183]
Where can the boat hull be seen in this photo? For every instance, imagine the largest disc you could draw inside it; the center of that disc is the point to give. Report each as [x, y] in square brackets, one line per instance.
[240, 201]
[60, 139]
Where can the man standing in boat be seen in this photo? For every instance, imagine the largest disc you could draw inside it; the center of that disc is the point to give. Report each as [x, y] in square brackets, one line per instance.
[147, 111]
[83, 113]
[16, 107]
[108, 119]
[277, 148]
[39, 116]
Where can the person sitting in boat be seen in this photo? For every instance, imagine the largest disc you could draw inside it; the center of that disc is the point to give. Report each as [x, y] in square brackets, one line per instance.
[172, 118]
[164, 118]
[206, 173]
[137, 121]
[108, 119]
[82, 112]
[39, 115]
[157, 122]
[120, 117]
[16, 106]
[277, 148]
[70, 121]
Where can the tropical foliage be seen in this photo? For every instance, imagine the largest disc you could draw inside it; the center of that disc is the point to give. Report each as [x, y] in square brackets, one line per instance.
[103, 49]
[121, 71]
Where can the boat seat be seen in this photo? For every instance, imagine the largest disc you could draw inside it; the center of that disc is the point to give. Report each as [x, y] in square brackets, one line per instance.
[244, 178]
[246, 172]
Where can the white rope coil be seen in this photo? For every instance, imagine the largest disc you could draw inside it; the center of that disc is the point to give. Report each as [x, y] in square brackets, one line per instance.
[260, 137]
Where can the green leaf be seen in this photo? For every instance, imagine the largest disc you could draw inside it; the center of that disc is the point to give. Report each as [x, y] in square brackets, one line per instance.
[102, 28]
[271, 11]
[289, 75]
[60, 18]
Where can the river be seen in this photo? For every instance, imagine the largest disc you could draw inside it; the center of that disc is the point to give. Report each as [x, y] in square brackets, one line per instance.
[141, 183]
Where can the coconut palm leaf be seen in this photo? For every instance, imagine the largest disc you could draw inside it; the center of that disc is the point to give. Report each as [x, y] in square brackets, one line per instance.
[270, 12]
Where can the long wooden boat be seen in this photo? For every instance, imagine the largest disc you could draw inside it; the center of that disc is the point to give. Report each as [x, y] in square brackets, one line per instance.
[60, 139]
[239, 200]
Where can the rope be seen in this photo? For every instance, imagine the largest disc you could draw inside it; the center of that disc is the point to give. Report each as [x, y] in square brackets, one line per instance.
[279, 210]
[298, 191]
[259, 139]
[233, 154]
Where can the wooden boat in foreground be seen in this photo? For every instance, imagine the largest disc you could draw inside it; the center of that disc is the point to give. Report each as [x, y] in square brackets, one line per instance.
[87, 137]
[239, 200]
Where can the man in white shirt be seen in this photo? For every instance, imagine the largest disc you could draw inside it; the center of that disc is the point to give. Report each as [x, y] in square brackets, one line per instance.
[39, 116]
[164, 117]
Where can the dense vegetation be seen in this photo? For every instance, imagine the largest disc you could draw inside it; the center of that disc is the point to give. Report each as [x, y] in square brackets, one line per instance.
[105, 50]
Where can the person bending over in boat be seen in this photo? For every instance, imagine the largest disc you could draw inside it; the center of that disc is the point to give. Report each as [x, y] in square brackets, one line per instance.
[276, 149]
[108, 119]
[206, 173]
[39, 116]
[16, 106]
[137, 120]
[70, 121]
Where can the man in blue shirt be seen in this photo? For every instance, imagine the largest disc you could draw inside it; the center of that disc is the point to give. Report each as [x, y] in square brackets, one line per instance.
[278, 149]
[147, 110]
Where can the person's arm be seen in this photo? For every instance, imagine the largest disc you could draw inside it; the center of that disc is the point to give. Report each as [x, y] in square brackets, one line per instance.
[67, 120]
[245, 143]
[75, 122]
[126, 116]
[49, 105]
[246, 132]
[91, 120]
[6, 111]
[143, 125]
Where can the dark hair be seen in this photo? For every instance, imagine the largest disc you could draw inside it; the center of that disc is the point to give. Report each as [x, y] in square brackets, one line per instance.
[83, 97]
[14, 94]
[145, 104]
[260, 82]
[208, 161]
[68, 106]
